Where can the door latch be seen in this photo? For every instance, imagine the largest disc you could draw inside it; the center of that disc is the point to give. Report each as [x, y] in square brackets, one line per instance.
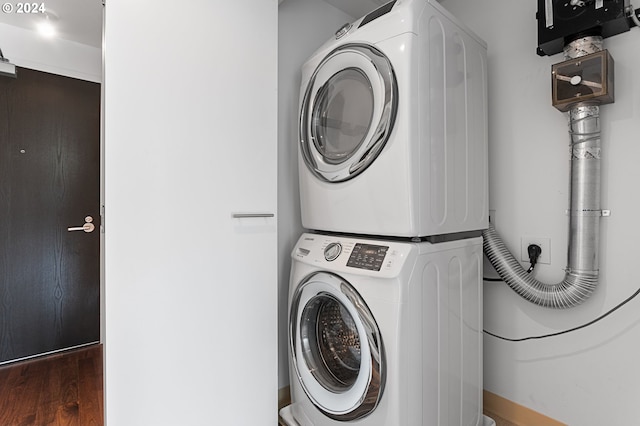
[87, 227]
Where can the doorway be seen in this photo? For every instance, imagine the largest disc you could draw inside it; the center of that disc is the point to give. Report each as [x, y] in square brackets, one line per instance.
[49, 214]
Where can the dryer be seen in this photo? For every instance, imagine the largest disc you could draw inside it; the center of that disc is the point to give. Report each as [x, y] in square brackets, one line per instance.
[385, 332]
[393, 126]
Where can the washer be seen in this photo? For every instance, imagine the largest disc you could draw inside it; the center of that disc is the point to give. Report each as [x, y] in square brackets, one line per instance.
[385, 332]
[393, 126]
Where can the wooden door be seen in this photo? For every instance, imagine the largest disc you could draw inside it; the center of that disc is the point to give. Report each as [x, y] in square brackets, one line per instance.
[49, 181]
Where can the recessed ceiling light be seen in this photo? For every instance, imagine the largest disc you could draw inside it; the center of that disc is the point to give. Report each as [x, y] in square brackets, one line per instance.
[46, 27]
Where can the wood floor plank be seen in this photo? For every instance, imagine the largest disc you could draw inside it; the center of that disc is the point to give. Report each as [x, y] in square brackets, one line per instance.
[67, 411]
[20, 405]
[28, 404]
[11, 399]
[89, 393]
[6, 387]
[60, 390]
[50, 397]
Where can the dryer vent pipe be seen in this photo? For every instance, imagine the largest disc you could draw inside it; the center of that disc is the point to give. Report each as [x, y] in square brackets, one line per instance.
[581, 275]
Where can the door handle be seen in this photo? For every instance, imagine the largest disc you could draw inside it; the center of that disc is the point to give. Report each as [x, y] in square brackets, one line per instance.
[251, 215]
[87, 227]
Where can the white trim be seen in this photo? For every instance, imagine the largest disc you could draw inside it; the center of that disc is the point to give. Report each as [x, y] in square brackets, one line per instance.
[11, 361]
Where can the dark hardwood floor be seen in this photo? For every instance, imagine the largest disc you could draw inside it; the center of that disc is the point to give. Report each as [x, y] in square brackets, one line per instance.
[61, 389]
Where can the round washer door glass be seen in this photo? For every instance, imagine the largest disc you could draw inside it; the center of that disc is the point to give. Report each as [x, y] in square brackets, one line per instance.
[330, 342]
[336, 347]
[348, 111]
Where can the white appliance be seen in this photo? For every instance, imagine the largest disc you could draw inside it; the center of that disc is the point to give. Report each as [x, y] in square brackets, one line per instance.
[393, 126]
[385, 332]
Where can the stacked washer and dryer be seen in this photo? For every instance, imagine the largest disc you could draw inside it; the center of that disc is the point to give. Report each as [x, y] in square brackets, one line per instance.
[385, 297]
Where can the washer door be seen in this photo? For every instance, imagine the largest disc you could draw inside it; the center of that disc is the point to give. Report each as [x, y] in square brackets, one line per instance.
[347, 112]
[336, 346]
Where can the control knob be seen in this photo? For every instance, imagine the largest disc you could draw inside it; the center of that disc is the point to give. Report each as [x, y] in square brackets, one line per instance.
[332, 251]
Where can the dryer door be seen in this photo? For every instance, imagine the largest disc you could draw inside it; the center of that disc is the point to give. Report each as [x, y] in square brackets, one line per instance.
[348, 111]
[336, 346]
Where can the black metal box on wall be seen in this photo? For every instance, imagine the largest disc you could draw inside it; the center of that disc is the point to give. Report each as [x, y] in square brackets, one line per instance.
[560, 21]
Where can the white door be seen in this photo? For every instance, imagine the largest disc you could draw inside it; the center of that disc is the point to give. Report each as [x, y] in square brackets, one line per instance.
[348, 111]
[190, 226]
[337, 348]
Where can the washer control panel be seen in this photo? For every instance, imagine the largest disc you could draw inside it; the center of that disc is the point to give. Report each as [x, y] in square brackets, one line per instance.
[367, 256]
[348, 254]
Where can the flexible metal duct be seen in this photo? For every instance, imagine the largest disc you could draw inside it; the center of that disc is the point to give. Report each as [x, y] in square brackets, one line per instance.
[581, 275]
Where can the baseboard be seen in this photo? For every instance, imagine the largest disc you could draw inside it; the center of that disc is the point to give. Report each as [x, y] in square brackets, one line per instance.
[284, 397]
[515, 413]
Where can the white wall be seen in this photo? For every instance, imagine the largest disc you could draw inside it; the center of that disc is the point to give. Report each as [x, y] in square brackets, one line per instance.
[589, 377]
[303, 25]
[28, 49]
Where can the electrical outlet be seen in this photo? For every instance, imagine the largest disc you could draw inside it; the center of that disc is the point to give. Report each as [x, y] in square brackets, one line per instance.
[543, 242]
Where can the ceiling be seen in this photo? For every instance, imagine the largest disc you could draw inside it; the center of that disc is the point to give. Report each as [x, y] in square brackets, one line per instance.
[81, 20]
[74, 20]
[356, 8]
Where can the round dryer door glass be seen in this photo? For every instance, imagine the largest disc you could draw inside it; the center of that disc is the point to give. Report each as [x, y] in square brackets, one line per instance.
[347, 112]
[336, 347]
[342, 115]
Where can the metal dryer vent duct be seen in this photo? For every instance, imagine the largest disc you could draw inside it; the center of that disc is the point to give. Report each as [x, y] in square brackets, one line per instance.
[581, 275]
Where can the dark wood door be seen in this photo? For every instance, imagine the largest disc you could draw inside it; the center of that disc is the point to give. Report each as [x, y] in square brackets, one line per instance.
[49, 181]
